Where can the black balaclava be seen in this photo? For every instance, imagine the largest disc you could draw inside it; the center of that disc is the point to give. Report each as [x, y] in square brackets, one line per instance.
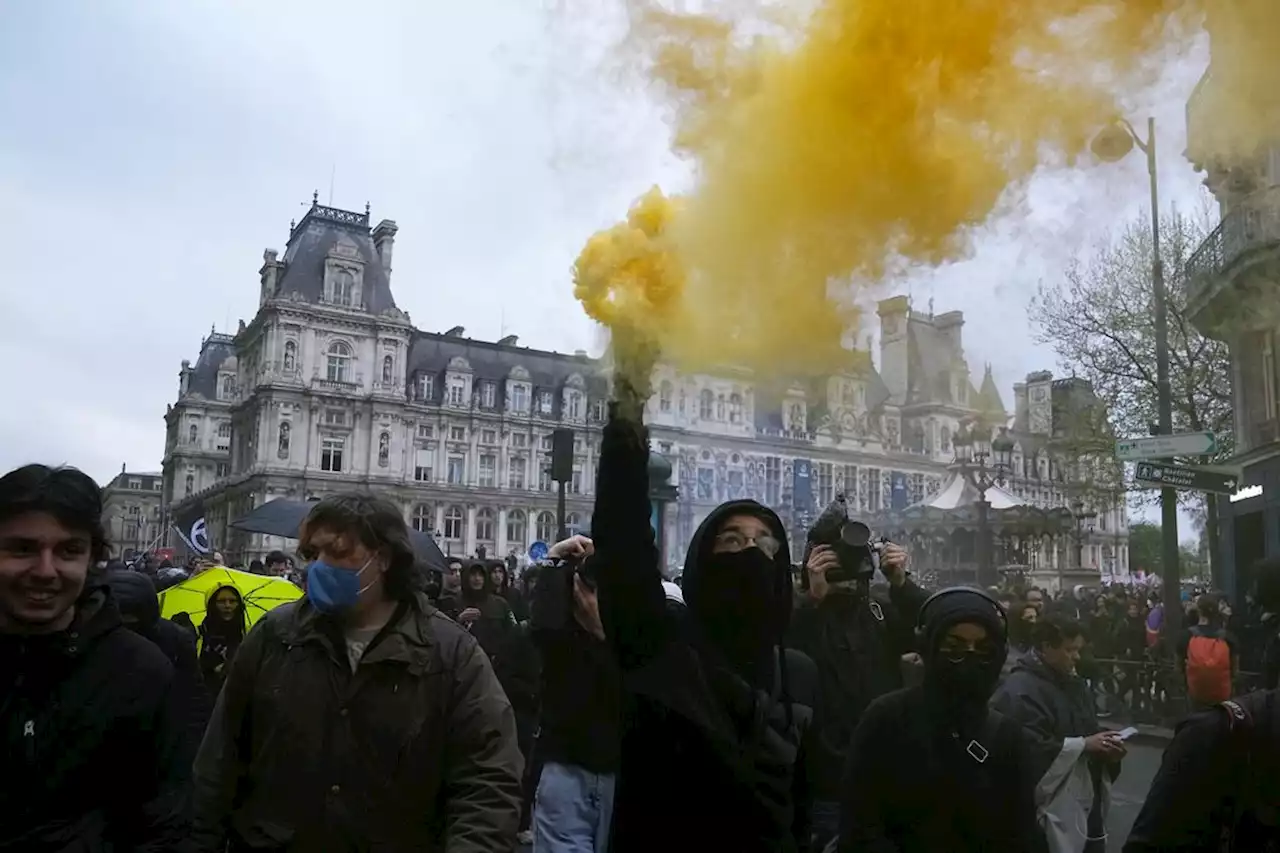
[740, 602]
[960, 690]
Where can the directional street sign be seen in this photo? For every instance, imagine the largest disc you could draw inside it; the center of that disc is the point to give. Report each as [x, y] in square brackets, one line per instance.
[1185, 477]
[1164, 446]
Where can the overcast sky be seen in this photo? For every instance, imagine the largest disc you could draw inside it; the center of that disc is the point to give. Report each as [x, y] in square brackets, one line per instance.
[151, 149]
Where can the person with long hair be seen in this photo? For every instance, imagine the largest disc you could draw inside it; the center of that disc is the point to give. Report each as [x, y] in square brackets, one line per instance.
[220, 633]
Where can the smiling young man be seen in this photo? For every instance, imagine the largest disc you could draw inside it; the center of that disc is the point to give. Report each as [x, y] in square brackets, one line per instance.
[360, 718]
[90, 746]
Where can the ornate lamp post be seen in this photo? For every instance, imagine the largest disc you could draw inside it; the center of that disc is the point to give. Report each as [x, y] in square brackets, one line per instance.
[1085, 521]
[974, 448]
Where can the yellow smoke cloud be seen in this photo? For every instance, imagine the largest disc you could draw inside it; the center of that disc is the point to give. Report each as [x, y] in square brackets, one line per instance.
[839, 144]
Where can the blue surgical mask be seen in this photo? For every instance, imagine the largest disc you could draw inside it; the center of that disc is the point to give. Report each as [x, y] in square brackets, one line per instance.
[332, 589]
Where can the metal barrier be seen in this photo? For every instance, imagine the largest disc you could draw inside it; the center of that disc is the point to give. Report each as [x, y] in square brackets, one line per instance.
[1151, 691]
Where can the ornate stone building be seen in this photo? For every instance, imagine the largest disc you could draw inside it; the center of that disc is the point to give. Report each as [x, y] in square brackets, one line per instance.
[131, 512]
[1233, 278]
[330, 386]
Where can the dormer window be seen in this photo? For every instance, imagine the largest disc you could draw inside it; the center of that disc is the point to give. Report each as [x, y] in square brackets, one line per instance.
[544, 402]
[573, 405]
[228, 387]
[797, 418]
[517, 397]
[488, 395]
[457, 391]
[427, 387]
[344, 288]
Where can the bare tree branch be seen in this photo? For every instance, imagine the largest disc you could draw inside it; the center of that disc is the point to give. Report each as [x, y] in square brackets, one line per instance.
[1100, 323]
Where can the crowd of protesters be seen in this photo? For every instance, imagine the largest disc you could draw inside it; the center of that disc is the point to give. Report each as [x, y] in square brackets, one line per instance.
[589, 705]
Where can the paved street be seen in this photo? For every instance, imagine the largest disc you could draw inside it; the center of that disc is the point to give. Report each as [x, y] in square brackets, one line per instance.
[1130, 790]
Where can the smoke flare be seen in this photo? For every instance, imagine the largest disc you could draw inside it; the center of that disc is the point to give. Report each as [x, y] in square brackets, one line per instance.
[839, 144]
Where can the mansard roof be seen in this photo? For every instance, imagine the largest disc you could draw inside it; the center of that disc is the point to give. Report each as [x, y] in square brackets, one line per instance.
[214, 352]
[313, 239]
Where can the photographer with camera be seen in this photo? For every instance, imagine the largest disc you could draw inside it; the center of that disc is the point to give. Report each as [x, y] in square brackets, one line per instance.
[579, 738]
[858, 641]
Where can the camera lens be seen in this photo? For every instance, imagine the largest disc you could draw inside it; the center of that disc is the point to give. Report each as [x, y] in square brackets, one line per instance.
[855, 533]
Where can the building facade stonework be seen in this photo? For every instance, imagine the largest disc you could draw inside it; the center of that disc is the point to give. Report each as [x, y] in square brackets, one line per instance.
[332, 387]
[132, 510]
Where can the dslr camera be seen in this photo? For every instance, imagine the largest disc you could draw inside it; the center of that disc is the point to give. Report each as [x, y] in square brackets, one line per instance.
[854, 546]
[551, 604]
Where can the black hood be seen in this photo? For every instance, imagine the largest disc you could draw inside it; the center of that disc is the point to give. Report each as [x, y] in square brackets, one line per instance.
[704, 539]
[135, 597]
[465, 592]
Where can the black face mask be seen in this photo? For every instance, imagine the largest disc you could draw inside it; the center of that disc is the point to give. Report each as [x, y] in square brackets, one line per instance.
[969, 680]
[736, 600]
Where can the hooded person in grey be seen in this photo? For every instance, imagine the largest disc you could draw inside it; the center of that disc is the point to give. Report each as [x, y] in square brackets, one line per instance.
[716, 710]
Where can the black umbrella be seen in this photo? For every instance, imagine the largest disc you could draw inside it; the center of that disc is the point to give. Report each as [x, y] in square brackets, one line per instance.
[283, 518]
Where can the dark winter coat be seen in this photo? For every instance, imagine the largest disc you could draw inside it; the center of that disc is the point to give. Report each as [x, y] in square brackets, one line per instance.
[90, 745]
[135, 596]
[858, 650]
[1218, 773]
[709, 761]
[504, 640]
[1051, 706]
[911, 785]
[414, 751]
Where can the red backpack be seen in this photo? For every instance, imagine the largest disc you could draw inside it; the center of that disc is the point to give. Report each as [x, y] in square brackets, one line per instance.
[1208, 667]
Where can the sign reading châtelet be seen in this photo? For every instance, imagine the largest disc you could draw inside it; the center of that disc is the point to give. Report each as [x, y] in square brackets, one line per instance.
[1163, 446]
[1185, 477]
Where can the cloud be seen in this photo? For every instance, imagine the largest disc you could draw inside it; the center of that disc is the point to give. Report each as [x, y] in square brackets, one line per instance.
[153, 149]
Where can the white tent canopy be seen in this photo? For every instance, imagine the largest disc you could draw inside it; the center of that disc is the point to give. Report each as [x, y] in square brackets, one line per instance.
[957, 492]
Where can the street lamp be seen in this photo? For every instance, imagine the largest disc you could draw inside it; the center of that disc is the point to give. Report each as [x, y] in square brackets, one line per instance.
[1113, 143]
[973, 448]
[1085, 521]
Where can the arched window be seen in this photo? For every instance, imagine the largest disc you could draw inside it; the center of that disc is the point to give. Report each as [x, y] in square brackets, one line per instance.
[453, 520]
[516, 528]
[193, 434]
[423, 519]
[283, 451]
[720, 408]
[388, 369]
[384, 449]
[228, 387]
[484, 524]
[735, 408]
[664, 396]
[706, 402]
[339, 361]
[191, 483]
[546, 529]
[290, 356]
[573, 522]
[344, 287]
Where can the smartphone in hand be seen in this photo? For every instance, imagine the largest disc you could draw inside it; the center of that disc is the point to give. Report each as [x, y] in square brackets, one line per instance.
[1125, 734]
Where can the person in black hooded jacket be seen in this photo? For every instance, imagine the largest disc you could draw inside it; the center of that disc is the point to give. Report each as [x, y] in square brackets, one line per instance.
[135, 596]
[716, 714]
[88, 744]
[930, 768]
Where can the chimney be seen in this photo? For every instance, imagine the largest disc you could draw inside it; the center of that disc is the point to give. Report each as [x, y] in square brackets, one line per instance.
[384, 240]
[508, 341]
[455, 332]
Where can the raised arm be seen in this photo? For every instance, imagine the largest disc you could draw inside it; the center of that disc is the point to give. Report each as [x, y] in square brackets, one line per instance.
[632, 602]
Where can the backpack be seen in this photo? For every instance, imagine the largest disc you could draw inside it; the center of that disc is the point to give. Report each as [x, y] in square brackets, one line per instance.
[1208, 667]
[1249, 816]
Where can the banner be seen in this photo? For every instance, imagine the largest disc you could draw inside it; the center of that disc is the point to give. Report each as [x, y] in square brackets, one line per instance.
[899, 496]
[802, 486]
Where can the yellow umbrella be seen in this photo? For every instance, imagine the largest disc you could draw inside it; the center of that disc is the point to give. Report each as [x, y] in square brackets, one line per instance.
[259, 594]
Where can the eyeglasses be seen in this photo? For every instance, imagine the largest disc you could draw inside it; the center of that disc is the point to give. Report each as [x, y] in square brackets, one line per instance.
[731, 541]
